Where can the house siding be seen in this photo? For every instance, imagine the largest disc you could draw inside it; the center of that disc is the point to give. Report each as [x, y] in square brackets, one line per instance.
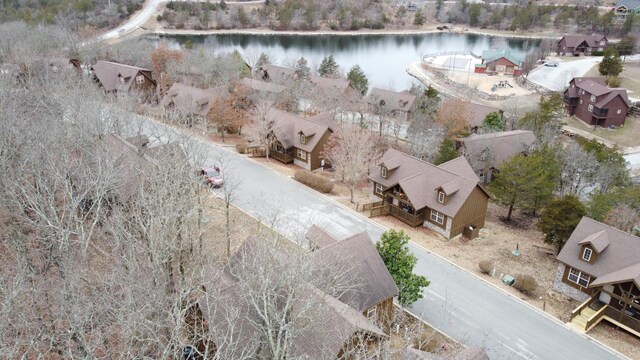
[316, 154]
[509, 67]
[384, 314]
[561, 285]
[473, 212]
[582, 111]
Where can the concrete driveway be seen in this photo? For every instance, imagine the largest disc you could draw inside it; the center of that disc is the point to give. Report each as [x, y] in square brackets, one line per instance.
[557, 78]
[457, 302]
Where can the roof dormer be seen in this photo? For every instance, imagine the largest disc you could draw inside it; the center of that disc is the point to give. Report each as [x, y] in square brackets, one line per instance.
[593, 245]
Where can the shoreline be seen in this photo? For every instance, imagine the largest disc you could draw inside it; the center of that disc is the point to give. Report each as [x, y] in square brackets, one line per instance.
[383, 32]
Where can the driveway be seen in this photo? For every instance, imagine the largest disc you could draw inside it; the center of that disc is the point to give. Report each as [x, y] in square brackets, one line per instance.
[557, 78]
[456, 302]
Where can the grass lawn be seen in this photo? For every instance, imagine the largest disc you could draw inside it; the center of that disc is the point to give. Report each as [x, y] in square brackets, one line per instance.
[629, 78]
[624, 136]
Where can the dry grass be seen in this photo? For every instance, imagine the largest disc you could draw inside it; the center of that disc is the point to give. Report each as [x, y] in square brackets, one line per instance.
[626, 136]
[629, 77]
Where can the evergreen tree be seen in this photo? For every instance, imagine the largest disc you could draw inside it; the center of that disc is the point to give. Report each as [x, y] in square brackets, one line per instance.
[328, 67]
[560, 218]
[492, 123]
[302, 70]
[446, 151]
[611, 64]
[263, 59]
[400, 262]
[358, 80]
[418, 18]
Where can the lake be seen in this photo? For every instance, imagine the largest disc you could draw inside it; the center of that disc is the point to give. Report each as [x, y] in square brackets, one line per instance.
[383, 58]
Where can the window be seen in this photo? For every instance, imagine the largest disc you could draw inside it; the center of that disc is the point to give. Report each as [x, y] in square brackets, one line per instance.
[302, 154]
[619, 112]
[581, 92]
[437, 217]
[441, 197]
[371, 314]
[593, 98]
[379, 188]
[576, 276]
[383, 172]
[590, 108]
[140, 79]
[303, 138]
[586, 255]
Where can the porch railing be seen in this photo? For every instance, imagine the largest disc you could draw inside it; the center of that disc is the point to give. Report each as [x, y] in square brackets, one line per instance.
[595, 319]
[582, 306]
[408, 218]
[284, 157]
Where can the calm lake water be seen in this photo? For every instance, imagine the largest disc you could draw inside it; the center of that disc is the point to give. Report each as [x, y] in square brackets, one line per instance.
[383, 58]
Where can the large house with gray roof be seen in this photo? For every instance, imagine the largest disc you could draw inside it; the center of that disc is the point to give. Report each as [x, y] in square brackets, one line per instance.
[486, 152]
[398, 104]
[190, 103]
[446, 198]
[600, 266]
[122, 79]
[590, 100]
[300, 140]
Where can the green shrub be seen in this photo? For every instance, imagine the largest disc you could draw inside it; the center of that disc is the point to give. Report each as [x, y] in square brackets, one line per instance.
[485, 266]
[597, 53]
[314, 181]
[613, 81]
[525, 283]
[159, 18]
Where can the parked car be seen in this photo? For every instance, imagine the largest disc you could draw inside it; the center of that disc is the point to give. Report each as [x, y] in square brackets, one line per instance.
[551, 64]
[213, 176]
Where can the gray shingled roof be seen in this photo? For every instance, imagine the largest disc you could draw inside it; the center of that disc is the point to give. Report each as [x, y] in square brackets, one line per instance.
[359, 258]
[501, 146]
[421, 180]
[393, 100]
[478, 112]
[616, 263]
[261, 86]
[189, 100]
[288, 127]
[109, 74]
[318, 238]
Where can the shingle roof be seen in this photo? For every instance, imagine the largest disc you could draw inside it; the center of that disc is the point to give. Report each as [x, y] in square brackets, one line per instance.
[501, 146]
[599, 241]
[318, 238]
[261, 86]
[189, 100]
[593, 87]
[612, 95]
[338, 85]
[597, 86]
[359, 258]
[288, 127]
[420, 180]
[575, 40]
[109, 74]
[393, 100]
[478, 112]
[278, 74]
[618, 261]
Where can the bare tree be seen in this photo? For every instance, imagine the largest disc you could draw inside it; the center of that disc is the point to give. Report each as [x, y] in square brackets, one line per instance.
[351, 151]
[260, 130]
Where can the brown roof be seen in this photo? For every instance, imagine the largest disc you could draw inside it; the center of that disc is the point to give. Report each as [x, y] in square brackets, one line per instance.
[575, 40]
[612, 95]
[597, 86]
[288, 127]
[617, 262]
[278, 74]
[420, 180]
[261, 86]
[109, 74]
[339, 85]
[189, 100]
[318, 238]
[501, 146]
[393, 100]
[359, 258]
[593, 87]
[478, 112]
[598, 79]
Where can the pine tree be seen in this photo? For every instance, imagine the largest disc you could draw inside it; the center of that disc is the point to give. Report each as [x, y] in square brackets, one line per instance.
[492, 123]
[611, 64]
[446, 151]
[328, 67]
[358, 80]
[302, 69]
[560, 218]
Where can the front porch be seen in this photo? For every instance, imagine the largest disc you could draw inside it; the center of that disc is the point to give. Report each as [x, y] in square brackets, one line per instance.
[402, 211]
[281, 154]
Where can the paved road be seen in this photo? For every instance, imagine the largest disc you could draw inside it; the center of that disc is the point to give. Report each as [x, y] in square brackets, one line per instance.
[557, 78]
[457, 303]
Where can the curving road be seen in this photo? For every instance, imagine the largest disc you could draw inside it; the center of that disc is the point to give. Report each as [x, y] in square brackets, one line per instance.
[457, 302]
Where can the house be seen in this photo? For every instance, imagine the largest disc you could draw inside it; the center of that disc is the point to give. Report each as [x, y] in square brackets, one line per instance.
[300, 140]
[276, 74]
[477, 113]
[373, 292]
[446, 198]
[261, 87]
[225, 311]
[600, 265]
[590, 100]
[191, 102]
[120, 78]
[581, 44]
[625, 7]
[399, 104]
[487, 152]
[503, 62]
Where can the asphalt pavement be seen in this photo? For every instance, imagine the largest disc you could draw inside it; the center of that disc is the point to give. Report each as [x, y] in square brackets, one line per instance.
[557, 78]
[457, 302]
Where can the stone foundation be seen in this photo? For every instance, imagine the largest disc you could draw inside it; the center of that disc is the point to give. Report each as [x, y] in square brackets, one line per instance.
[565, 289]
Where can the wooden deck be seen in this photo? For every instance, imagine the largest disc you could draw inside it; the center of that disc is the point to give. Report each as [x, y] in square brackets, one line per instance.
[380, 208]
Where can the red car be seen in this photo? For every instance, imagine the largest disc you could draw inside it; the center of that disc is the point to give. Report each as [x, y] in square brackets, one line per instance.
[213, 176]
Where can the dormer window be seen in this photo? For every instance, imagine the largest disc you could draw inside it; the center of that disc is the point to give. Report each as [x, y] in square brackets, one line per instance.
[140, 79]
[303, 139]
[441, 197]
[593, 98]
[122, 80]
[383, 172]
[586, 254]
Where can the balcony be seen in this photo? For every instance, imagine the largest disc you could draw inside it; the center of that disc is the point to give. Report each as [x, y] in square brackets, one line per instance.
[285, 157]
[600, 113]
[571, 101]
